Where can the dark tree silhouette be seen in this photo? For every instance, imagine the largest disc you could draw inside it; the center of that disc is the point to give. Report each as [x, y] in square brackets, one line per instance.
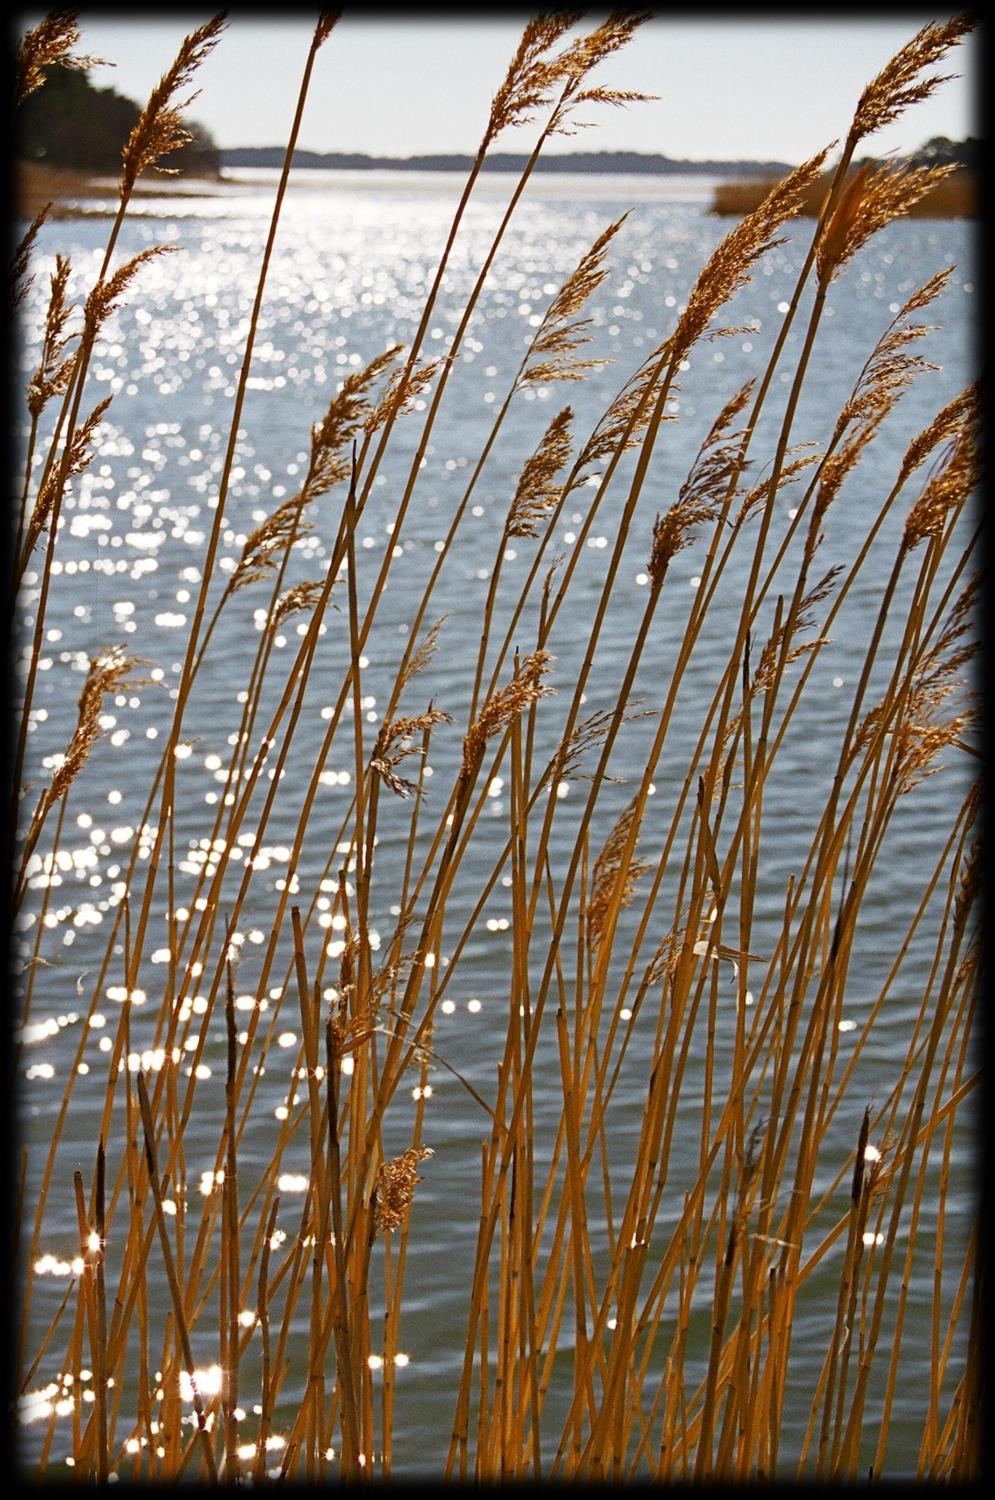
[69, 123]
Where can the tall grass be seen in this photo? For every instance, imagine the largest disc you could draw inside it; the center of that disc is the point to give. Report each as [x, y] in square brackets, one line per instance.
[627, 1314]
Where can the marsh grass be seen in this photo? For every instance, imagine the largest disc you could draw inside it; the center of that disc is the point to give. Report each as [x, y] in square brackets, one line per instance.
[956, 196]
[625, 1316]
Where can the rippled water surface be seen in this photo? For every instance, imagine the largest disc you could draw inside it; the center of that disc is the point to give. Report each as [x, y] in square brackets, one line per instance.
[355, 256]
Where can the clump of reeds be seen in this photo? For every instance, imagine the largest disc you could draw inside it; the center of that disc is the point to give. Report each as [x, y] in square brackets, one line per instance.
[954, 196]
[631, 1301]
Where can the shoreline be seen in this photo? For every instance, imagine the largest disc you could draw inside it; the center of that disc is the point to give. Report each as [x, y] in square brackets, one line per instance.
[36, 185]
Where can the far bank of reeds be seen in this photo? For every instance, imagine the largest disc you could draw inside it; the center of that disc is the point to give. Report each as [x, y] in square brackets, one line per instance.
[955, 197]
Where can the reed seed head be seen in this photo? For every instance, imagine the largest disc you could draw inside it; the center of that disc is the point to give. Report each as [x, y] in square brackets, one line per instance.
[54, 369]
[613, 873]
[49, 43]
[872, 198]
[395, 1187]
[899, 86]
[394, 732]
[538, 490]
[159, 128]
[728, 268]
[525, 687]
[561, 332]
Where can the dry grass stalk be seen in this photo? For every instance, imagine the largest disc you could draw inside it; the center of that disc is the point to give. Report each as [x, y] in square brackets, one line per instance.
[948, 488]
[581, 57]
[703, 494]
[404, 389]
[584, 1284]
[105, 296]
[943, 428]
[327, 20]
[530, 76]
[422, 655]
[729, 266]
[19, 281]
[301, 596]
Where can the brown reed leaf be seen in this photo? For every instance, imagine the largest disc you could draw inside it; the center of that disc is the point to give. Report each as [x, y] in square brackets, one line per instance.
[890, 368]
[537, 490]
[898, 85]
[51, 378]
[48, 43]
[766, 673]
[525, 687]
[873, 197]
[394, 1188]
[159, 128]
[623, 423]
[394, 732]
[717, 465]
[608, 873]
[267, 542]
[75, 458]
[561, 332]
[662, 965]
[348, 410]
[348, 414]
[840, 463]
[920, 733]
[590, 732]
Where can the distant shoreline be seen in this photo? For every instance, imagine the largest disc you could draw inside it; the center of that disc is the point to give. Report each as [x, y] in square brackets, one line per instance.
[734, 195]
[602, 162]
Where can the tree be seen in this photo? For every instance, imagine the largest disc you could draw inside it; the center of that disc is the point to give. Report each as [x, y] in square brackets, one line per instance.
[941, 151]
[69, 123]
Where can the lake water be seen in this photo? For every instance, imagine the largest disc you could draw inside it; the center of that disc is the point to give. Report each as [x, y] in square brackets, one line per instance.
[355, 256]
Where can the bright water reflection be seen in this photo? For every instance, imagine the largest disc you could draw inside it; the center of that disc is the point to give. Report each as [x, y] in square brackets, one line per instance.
[354, 260]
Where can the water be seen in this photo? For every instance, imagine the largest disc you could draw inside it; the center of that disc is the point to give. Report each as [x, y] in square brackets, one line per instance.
[354, 259]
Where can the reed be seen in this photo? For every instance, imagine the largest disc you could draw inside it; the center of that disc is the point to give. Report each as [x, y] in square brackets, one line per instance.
[955, 196]
[632, 1295]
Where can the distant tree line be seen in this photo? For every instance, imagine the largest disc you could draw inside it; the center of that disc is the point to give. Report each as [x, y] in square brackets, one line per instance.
[69, 123]
[940, 151]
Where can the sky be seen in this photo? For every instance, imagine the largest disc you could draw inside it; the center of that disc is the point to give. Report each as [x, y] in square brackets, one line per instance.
[768, 87]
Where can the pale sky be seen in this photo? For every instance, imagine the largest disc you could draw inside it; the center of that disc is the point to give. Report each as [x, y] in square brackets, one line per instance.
[770, 86]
